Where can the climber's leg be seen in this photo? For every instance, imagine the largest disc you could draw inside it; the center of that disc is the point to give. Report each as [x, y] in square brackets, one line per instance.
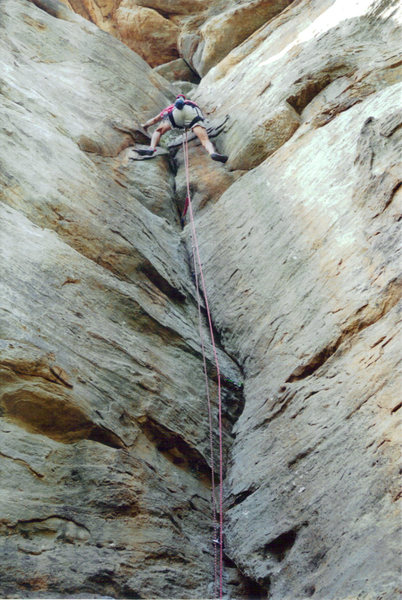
[202, 135]
[156, 136]
[158, 133]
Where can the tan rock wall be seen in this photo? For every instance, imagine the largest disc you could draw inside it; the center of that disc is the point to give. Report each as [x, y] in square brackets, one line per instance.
[203, 32]
[303, 258]
[103, 424]
[105, 482]
[176, 7]
[223, 32]
[147, 32]
[100, 12]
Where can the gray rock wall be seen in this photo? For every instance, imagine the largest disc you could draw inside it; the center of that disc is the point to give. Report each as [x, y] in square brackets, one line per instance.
[302, 256]
[104, 453]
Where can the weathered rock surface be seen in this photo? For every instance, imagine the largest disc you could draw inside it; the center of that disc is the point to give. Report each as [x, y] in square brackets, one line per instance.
[147, 32]
[100, 12]
[226, 30]
[302, 256]
[313, 62]
[104, 430]
[177, 70]
[103, 424]
[176, 7]
[208, 179]
[315, 323]
[203, 32]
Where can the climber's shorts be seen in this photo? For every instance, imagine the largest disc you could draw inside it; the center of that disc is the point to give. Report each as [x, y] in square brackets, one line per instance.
[186, 118]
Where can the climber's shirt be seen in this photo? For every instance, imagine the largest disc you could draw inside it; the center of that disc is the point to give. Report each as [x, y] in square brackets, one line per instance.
[186, 118]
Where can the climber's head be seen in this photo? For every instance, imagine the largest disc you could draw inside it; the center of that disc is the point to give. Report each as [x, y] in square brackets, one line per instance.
[180, 99]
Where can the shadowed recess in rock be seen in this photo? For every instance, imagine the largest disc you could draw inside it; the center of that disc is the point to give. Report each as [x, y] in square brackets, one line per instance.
[50, 529]
[162, 284]
[281, 545]
[309, 86]
[41, 409]
[175, 448]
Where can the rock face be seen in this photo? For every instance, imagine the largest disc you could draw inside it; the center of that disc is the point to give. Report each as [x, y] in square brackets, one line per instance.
[105, 488]
[101, 12]
[303, 258]
[202, 32]
[177, 70]
[104, 449]
[294, 72]
[147, 32]
[224, 31]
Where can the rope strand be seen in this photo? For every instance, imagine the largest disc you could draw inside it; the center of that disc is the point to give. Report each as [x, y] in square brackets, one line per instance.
[213, 496]
[196, 254]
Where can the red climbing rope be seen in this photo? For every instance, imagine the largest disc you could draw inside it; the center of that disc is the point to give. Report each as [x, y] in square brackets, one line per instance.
[218, 541]
[212, 454]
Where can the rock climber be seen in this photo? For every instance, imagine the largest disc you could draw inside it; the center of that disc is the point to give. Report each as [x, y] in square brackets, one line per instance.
[183, 114]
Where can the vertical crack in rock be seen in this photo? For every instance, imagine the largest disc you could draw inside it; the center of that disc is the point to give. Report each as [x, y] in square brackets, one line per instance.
[232, 389]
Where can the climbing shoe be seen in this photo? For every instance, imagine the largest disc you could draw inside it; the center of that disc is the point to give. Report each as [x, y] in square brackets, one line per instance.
[219, 157]
[145, 152]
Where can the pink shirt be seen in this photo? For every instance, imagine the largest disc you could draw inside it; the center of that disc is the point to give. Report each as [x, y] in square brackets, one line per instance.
[166, 111]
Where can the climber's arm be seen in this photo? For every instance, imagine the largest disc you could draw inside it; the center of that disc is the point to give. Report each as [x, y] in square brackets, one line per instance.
[151, 122]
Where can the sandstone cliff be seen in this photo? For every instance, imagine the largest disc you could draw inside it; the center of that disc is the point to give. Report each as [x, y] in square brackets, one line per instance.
[201, 31]
[104, 450]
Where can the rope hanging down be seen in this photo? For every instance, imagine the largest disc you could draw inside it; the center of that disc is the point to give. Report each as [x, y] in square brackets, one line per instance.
[217, 526]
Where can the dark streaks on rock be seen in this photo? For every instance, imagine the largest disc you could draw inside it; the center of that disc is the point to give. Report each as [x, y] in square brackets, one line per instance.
[292, 463]
[239, 498]
[55, 9]
[24, 463]
[105, 581]
[279, 405]
[312, 84]
[175, 448]
[364, 317]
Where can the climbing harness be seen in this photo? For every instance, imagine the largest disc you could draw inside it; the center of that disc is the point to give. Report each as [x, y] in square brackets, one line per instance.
[180, 104]
[199, 277]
